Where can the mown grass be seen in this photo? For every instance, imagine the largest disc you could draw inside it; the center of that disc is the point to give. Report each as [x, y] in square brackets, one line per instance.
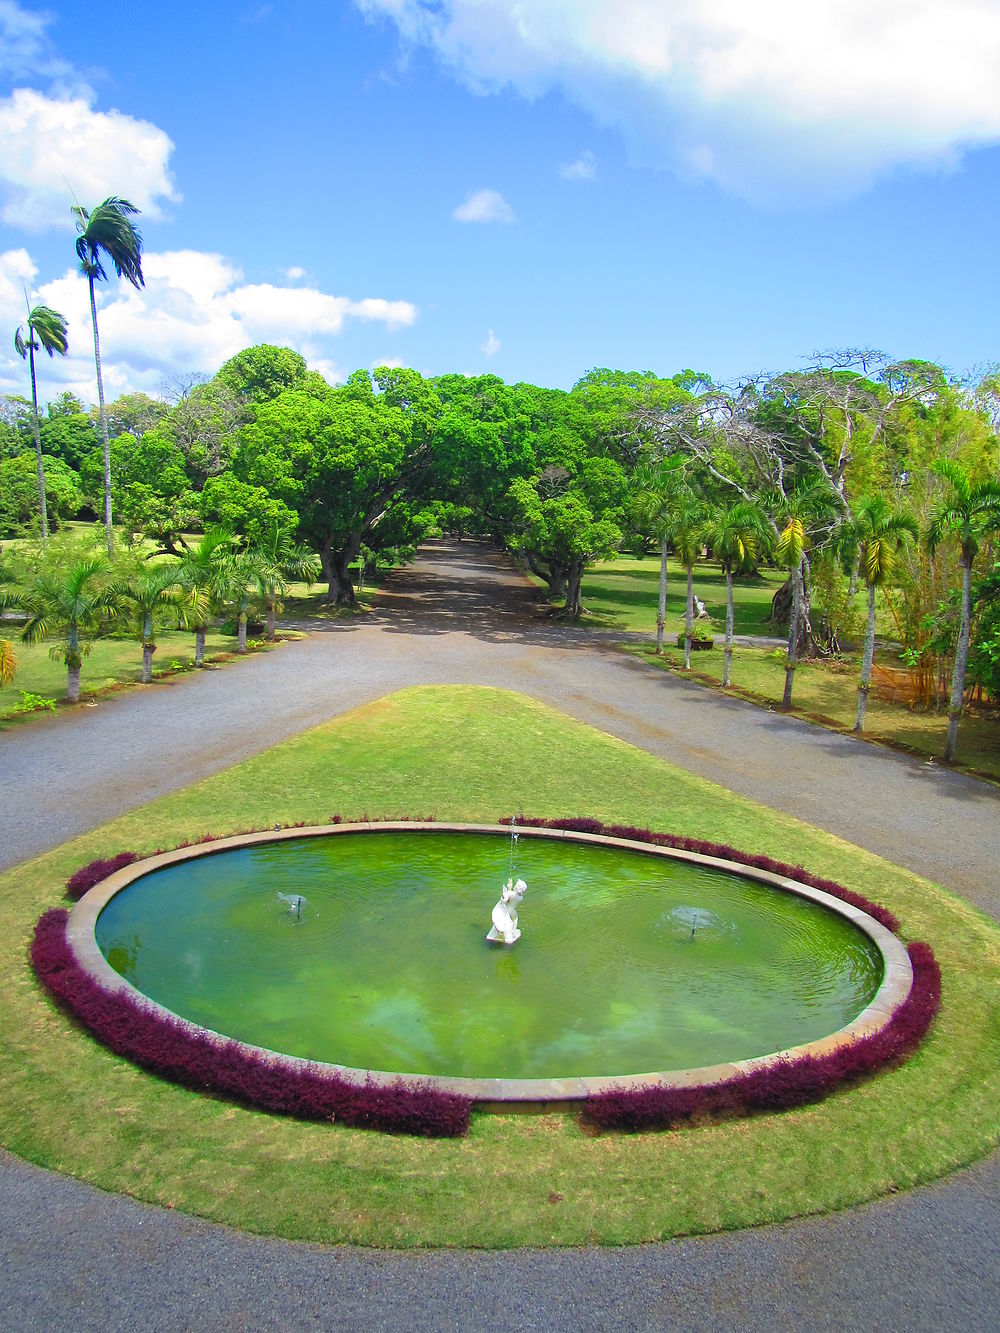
[468, 753]
[624, 594]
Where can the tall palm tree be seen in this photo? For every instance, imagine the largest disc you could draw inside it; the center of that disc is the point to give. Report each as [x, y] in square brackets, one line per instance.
[277, 560]
[108, 231]
[144, 594]
[968, 512]
[687, 535]
[658, 491]
[202, 573]
[734, 536]
[879, 531]
[68, 603]
[43, 329]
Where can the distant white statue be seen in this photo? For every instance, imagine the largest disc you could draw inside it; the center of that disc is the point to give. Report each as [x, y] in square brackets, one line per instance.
[699, 608]
[505, 912]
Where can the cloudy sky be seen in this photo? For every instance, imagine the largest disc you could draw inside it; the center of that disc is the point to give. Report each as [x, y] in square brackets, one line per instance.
[531, 187]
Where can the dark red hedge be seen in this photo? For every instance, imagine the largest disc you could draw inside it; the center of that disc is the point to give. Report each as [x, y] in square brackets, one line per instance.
[720, 849]
[94, 871]
[166, 1047]
[786, 1083]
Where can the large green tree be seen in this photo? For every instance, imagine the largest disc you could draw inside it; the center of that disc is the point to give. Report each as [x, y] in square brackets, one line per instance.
[107, 232]
[735, 534]
[44, 329]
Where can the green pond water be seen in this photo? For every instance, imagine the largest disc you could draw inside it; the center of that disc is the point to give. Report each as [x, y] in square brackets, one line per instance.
[627, 963]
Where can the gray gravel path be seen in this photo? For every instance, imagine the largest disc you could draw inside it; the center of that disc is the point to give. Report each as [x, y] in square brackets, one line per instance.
[73, 1257]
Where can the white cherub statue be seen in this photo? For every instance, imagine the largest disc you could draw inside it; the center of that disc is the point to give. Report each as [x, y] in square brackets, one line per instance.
[505, 912]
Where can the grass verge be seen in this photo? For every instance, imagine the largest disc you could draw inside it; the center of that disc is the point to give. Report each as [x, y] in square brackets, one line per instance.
[469, 754]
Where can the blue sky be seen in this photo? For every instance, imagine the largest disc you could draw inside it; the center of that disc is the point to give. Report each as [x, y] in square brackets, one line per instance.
[531, 189]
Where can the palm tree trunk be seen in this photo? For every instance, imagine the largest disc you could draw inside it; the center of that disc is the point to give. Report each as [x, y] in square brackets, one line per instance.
[661, 614]
[108, 529]
[961, 662]
[148, 649]
[38, 438]
[270, 618]
[727, 657]
[689, 618]
[199, 646]
[73, 684]
[793, 635]
[241, 633]
[866, 661]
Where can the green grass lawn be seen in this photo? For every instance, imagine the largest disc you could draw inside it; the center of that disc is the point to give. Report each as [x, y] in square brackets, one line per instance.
[477, 754]
[624, 594]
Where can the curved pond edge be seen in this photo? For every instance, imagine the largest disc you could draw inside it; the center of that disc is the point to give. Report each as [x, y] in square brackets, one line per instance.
[68, 961]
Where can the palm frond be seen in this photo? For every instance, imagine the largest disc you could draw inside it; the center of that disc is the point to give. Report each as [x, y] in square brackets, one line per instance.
[108, 230]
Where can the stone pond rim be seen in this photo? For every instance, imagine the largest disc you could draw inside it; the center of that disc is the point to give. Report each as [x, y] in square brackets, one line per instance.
[534, 1094]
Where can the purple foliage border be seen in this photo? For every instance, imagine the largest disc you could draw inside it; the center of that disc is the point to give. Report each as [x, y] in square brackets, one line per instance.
[174, 1050]
[783, 1083]
[177, 1051]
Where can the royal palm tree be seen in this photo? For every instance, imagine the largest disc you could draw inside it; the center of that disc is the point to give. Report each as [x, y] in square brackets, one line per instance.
[658, 493]
[201, 573]
[43, 329]
[107, 231]
[734, 536]
[277, 560]
[968, 512]
[879, 531]
[148, 592]
[68, 603]
[687, 535]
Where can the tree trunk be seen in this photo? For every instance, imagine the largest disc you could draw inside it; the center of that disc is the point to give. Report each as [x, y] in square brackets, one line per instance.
[574, 585]
[961, 662]
[148, 649]
[38, 438]
[852, 587]
[793, 635]
[661, 614]
[867, 657]
[73, 684]
[326, 564]
[341, 591]
[271, 614]
[727, 657]
[688, 618]
[108, 529]
[199, 646]
[241, 633]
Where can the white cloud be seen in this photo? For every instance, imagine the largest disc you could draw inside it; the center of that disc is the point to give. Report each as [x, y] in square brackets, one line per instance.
[760, 98]
[393, 362]
[294, 273]
[492, 344]
[583, 169]
[195, 312]
[50, 145]
[484, 206]
[25, 50]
